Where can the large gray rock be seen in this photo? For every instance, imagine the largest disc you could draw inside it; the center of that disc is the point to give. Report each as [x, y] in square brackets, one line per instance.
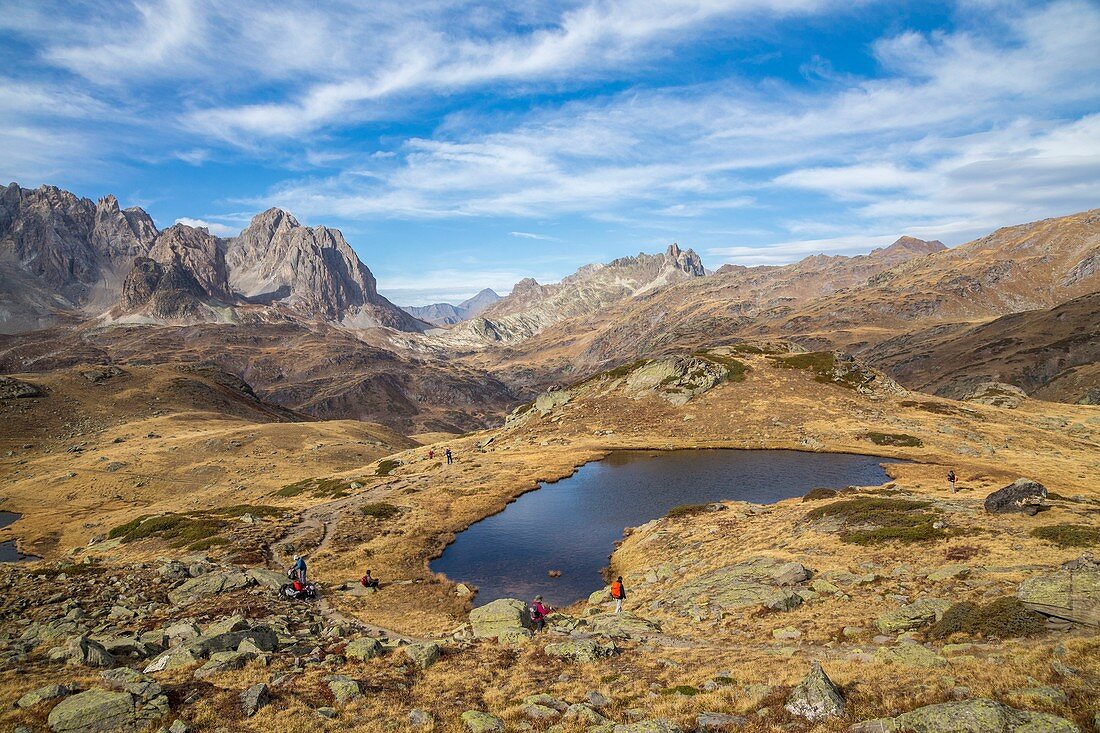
[504, 615]
[344, 689]
[82, 650]
[655, 725]
[363, 649]
[1072, 593]
[423, 655]
[220, 662]
[1022, 495]
[623, 625]
[478, 722]
[816, 697]
[912, 616]
[718, 722]
[207, 585]
[756, 582]
[254, 698]
[582, 651]
[41, 694]
[970, 716]
[997, 394]
[94, 710]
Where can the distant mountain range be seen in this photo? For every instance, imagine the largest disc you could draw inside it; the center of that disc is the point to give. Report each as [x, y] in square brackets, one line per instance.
[292, 311]
[445, 314]
[64, 256]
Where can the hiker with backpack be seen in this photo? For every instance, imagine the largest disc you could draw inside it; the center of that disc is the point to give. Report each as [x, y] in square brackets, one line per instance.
[298, 569]
[538, 613]
[369, 581]
[951, 479]
[618, 592]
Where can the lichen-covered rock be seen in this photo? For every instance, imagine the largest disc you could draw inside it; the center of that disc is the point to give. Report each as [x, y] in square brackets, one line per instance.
[971, 716]
[718, 722]
[623, 625]
[997, 394]
[499, 616]
[1022, 495]
[344, 689]
[423, 655]
[479, 722]
[755, 582]
[582, 651]
[207, 585]
[82, 650]
[816, 697]
[253, 699]
[655, 725]
[92, 711]
[675, 378]
[913, 655]
[1072, 593]
[41, 694]
[363, 649]
[912, 616]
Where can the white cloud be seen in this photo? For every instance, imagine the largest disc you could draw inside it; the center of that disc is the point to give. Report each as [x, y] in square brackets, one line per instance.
[218, 230]
[531, 235]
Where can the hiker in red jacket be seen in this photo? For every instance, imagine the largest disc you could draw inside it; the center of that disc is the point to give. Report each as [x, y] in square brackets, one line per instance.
[618, 592]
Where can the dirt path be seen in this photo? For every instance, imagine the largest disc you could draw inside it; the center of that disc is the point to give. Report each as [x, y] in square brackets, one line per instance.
[320, 518]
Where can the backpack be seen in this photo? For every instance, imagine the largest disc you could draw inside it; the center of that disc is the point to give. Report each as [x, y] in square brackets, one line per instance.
[534, 611]
[616, 589]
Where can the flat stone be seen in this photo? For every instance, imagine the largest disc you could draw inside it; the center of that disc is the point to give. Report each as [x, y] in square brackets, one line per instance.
[41, 694]
[94, 710]
[582, 650]
[912, 616]
[718, 722]
[479, 722]
[913, 655]
[654, 725]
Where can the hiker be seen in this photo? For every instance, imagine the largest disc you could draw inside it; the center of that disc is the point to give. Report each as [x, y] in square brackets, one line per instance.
[431, 453]
[951, 479]
[369, 581]
[298, 569]
[618, 592]
[538, 613]
[450, 459]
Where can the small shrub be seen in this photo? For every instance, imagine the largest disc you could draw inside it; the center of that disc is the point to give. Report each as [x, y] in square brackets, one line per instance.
[332, 488]
[179, 529]
[1004, 618]
[735, 370]
[898, 440]
[824, 366]
[962, 553]
[686, 690]
[386, 466]
[748, 349]
[874, 520]
[819, 494]
[208, 543]
[259, 510]
[1068, 535]
[686, 510]
[380, 510]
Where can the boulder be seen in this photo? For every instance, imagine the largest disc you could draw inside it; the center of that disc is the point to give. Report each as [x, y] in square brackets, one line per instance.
[624, 625]
[130, 680]
[82, 650]
[912, 616]
[718, 722]
[970, 716]
[266, 578]
[41, 694]
[755, 582]
[254, 698]
[1072, 593]
[501, 615]
[220, 662]
[182, 656]
[423, 655]
[12, 389]
[582, 651]
[912, 655]
[94, 710]
[816, 697]
[226, 625]
[363, 649]
[1022, 495]
[344, 689]
[207, 584]
[479, 722]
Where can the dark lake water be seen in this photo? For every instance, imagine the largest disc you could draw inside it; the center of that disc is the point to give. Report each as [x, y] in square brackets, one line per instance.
[8, 553]
[572, 525]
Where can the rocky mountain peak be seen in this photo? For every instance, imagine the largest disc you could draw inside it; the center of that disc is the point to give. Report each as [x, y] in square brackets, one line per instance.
[686, 261]
[914, 245]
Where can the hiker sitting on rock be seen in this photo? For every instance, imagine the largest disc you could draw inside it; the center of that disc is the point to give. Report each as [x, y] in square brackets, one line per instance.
[369, 581]
[618, 592]
[539, 613]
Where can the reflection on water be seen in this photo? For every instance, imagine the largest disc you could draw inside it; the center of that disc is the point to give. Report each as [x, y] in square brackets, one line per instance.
[572, 525]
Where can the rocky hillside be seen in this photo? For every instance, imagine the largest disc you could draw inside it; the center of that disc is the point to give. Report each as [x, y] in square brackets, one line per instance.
[1042, 352]
[530, 307]
[63, 256]
[445, 314]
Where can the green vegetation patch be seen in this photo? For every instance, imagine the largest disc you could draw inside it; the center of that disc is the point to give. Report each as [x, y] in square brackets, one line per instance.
[380, 510]
[898, 440]
[824, 366]
[386, 466]
[178, 529]
[736, 370]
[331, 488]
[620, 371]
[207, 543]
[876, 520]
[686, 690]
[237, 510]
[1068, 535]
[1003, 618]
[686, 510]
[819, 494]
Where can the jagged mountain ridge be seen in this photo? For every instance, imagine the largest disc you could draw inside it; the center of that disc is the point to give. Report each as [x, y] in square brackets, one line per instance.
[447, 314]
[531, 307]
[62, 255]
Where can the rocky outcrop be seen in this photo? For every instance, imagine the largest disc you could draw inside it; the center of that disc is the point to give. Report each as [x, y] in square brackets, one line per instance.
[816, 697]
[504, 617]
[1072, 593]
[311, 270]
[582, 651]
[1022, 495]
[913, 615]
[997, 394]
[12, 388]
[766, 582]
[969, 716]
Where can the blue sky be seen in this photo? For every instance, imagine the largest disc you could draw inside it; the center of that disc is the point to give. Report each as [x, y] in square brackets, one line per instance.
[461, 145]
